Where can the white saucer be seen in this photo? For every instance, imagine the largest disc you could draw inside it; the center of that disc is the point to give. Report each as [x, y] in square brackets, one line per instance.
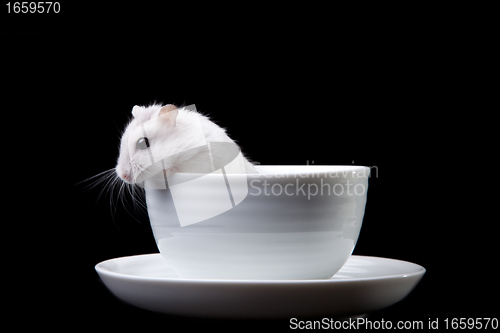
[364, 284]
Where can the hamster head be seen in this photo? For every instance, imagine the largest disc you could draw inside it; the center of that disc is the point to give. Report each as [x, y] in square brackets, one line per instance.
[149, 131]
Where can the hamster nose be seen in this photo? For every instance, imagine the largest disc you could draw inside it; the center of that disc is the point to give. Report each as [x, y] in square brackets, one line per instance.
[125, 176]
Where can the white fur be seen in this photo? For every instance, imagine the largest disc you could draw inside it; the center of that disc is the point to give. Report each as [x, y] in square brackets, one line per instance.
[165, 138]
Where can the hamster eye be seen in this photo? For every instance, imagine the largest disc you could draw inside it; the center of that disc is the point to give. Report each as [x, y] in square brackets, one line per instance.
[142, 143]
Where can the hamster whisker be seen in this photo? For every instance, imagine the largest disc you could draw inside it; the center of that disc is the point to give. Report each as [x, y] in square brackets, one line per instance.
[117, 190]
[137, 195]
[97, 179]
[110, 185]
[137, 205]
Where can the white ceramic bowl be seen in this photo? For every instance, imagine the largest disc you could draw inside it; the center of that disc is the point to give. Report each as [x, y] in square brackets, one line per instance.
[286, 223]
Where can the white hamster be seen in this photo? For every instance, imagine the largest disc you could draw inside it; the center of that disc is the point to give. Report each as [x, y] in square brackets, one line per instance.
[158, 131]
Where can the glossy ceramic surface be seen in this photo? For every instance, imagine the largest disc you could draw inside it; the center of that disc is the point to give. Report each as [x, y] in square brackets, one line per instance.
[364, 284]
[288, 222]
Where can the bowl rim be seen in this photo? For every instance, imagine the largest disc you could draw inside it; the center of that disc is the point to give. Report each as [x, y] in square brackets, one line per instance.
[291, 170]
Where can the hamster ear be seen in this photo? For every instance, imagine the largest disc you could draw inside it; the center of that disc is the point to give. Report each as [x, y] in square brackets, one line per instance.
[135, 110]
[168, 113]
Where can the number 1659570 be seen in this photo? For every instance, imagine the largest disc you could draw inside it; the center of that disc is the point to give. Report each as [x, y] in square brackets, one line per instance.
[33, 7]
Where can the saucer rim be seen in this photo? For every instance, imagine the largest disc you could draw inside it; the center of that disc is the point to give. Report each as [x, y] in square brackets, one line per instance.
[100, 269]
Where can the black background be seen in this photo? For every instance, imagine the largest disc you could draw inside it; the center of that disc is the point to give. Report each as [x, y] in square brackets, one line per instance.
[398, 94]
